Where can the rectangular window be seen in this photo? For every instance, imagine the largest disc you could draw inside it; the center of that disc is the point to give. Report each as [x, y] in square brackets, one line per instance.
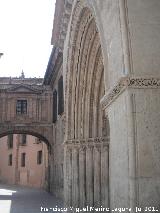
[39, 157]
[21, 107]
[10, 141]
[23, 139]
[55, 106]
[23, 159]
[10, 160]
[60, 96]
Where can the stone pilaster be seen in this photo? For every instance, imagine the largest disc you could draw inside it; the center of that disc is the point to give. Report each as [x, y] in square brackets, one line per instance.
[75, 176]
[89, 176]
[82, 176]
[86, 173]
[3, 112]
[105, 176]
[67, 176]
[97, 175]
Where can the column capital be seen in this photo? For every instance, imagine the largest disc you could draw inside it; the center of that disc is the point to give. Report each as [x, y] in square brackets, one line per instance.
[86, 142]
[68, 149]
[97, 147]
[82, 148]
[105, 147]
[124, 83]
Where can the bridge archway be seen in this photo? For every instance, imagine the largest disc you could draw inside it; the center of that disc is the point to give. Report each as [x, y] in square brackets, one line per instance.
[26, 131]
[37, 162]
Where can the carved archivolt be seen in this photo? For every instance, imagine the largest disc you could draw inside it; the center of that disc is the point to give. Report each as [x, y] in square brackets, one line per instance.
[85, 121]
[85, 82]
[129, 82]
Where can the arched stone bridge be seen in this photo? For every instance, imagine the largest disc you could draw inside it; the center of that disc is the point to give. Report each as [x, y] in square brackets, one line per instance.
[25, 108]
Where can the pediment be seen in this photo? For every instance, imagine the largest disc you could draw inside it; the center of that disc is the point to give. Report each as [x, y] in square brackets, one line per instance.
[23, 89]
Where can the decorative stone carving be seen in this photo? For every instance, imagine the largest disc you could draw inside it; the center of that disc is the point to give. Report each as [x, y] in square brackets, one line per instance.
[144, 82]
[128, 82]
[82, 148]
[112, 94]
[82, 144]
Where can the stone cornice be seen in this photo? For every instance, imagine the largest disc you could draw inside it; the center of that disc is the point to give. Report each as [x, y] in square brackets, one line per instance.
[24, 89]
[129, 82]
[16, 81]
[54, 64]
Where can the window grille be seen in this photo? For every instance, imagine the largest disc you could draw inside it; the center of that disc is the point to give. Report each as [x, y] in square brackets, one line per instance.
[21, 107]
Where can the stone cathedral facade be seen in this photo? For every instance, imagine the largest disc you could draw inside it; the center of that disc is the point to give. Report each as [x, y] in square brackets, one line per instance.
[108, 55]
[100, 104]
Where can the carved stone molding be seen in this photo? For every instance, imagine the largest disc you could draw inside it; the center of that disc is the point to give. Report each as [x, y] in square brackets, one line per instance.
[93, 142]
[114, 93]
[129, 82]
[144, 82]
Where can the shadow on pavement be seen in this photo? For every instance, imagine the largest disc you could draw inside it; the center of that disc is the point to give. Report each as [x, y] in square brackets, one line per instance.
[17, 199]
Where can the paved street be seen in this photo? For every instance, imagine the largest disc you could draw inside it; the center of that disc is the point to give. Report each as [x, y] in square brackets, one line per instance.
[16, 199]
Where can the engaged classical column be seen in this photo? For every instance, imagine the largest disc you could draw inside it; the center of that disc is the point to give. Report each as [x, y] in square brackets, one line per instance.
[82, 176]
[105, 176]
[67, 176]
[89, 176]
[75, 176]
[97, 175]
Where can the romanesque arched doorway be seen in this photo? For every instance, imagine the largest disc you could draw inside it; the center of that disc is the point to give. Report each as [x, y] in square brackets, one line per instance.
[87, 128]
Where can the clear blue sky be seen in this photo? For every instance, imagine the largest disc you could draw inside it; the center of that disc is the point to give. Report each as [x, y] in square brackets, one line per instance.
[25, 36]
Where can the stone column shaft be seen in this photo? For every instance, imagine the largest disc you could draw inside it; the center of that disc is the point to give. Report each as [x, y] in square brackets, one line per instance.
[75, 177]
[82, 176]
[89, 176]
[97, 177]
[104, 177]
[67, 177]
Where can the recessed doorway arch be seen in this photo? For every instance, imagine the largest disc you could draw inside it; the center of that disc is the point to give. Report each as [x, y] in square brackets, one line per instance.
[87, 125]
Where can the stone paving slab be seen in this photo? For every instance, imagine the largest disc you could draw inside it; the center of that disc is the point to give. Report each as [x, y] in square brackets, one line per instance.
[17, 199]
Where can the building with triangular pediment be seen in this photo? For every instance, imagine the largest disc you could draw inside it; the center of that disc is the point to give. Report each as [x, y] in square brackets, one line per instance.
[25, 131]
[25, 107]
